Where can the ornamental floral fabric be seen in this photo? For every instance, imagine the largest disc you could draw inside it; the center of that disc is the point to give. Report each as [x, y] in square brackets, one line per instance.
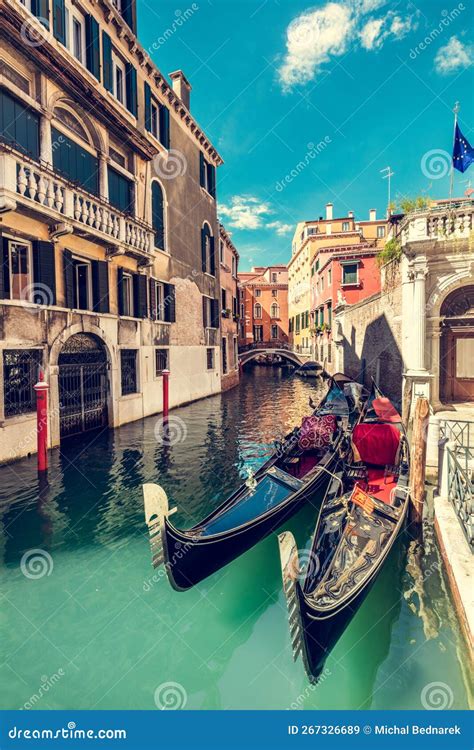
[316, 432]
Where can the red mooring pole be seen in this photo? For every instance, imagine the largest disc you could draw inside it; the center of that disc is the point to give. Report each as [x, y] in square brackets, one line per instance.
[42, 389]
[166, 394]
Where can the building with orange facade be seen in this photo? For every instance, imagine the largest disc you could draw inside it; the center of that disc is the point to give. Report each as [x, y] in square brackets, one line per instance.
[229, 262]
[340, 265]
[264, 306]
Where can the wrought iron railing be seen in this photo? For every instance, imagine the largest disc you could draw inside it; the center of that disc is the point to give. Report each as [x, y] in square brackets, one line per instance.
[457, 430]
[461, 487]
[459, 434]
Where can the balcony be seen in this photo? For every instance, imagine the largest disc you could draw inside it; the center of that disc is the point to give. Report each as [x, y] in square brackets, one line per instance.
[38, 191]
[440, 222]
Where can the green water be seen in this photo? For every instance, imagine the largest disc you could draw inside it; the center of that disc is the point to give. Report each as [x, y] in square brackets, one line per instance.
[100, 629]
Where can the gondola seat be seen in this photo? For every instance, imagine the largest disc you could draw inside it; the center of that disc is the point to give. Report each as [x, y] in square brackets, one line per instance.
[378, 446]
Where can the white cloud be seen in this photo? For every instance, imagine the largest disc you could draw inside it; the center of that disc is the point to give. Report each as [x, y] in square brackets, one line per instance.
[311, 39]
[248, 212]
[376, 31]
[453, 56]
[281, 228]
[245, 212]
[316, 36]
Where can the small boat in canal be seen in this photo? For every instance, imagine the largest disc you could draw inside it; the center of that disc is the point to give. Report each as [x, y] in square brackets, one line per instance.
[363, 511]
[308, 369]
[299, 468]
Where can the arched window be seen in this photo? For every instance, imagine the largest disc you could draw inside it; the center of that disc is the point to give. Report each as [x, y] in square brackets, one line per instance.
[158, 215]
[74, 157]
[208, 259]
[275, 312]
[257, 311]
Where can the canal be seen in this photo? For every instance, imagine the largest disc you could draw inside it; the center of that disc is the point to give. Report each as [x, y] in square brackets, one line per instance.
[86, 622]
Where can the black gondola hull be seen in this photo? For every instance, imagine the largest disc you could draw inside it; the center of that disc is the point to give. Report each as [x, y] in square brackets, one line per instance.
[188, 561]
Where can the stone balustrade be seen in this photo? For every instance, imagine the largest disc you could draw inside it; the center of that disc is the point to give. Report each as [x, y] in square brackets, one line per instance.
[440, 223]
[26, 182]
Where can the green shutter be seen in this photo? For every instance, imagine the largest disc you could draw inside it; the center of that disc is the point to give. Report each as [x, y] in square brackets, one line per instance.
[211, 180]
[140, 295]
[68, 278]
[170, 303]
[92, 46]
[131, 87]
[153, 310]
[202, 170]
[203, 249]
[121, 194]
[59, 21]
[164, 126]
[158, 222]
[100, 286]
[205, 321]
[120, 291]
[19, 126]
[107, 72]
[74, 162]
[147, 91]
[212, 256]
[129, 14]
[44, 273]
[4, 272]
[40, 8]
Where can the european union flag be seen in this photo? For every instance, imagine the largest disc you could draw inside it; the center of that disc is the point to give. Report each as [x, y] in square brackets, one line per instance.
[463, 153]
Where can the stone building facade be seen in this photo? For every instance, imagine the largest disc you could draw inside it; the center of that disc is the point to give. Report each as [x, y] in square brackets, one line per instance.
[264, 306]
[108, 225]
[229, 264]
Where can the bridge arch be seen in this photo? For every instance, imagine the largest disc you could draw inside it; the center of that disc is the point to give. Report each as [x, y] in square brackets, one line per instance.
[292, 357]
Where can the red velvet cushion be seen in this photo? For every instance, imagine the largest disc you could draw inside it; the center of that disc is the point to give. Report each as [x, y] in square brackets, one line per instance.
[376, 444]
[316, 432]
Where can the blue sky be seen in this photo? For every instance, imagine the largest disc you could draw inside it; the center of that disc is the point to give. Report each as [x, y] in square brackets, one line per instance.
[341, 89]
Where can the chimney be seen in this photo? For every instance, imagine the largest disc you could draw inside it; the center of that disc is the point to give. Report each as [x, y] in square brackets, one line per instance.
[372, 214]
[351, 214]
[181, 87]
[328, 211]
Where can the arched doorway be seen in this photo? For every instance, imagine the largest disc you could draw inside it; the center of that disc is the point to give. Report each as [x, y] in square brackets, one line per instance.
[83, 384]
[457, 346]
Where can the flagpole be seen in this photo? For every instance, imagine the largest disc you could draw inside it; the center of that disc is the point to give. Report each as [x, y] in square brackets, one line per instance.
[456, 109]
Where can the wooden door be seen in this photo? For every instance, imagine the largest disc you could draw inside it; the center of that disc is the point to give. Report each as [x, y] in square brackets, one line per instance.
[457, 366]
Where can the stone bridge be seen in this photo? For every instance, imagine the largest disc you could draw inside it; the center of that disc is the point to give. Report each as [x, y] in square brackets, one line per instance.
[296, 359]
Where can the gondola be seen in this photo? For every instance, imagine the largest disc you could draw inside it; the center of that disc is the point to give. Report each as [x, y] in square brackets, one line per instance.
[297, 471]
[360, 517]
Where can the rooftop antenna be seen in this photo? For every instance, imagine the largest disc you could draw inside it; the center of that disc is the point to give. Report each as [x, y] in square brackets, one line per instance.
[388, 176]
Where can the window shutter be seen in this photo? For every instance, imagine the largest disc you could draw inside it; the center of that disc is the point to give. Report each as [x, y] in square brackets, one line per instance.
[40, 8]
[59, 21]
[203, 250]
[153, 310]
[128, 14]
[170, 303]
[120, 291]
[158, 221]
[213, 256]
[202, 170]
[44, 273]
[147, 90]
[92, 46]
[131, 85]
[215, 313]
[140, 295]
[211, 180]
[68, 278]
[100, 286]
[205, 321]
[4, 275]
[164, 126]
[107, 61]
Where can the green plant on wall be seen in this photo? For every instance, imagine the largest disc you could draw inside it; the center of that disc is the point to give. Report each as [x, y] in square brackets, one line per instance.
[391, 251]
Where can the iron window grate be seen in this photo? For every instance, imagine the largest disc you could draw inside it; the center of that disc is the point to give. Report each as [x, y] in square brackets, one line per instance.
[20, 373]
[128, 369]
